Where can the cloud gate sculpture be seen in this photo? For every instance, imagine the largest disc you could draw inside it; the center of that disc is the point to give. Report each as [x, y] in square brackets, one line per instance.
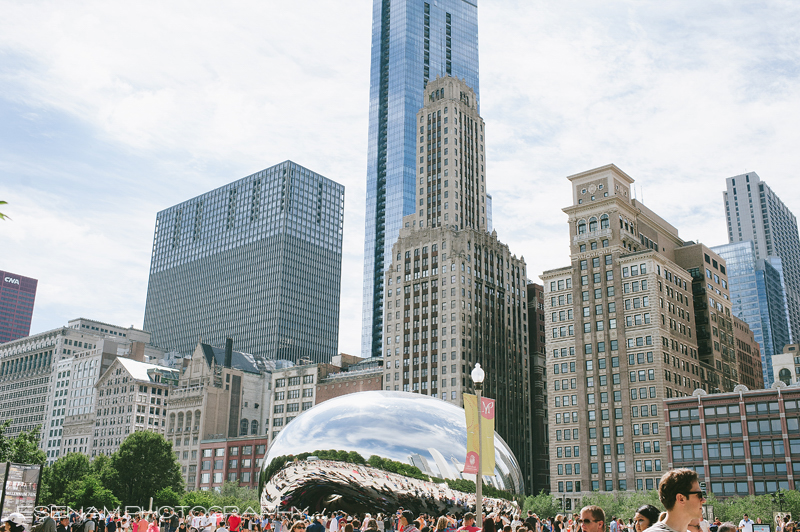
[409, 428]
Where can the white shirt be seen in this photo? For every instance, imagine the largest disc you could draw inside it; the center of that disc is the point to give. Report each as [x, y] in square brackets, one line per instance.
[746, 526]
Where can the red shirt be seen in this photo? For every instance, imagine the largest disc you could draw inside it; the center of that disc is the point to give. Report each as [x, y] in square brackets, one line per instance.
[233, 522]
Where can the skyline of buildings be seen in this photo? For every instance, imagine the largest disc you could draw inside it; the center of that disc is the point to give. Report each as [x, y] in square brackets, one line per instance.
[264, 240]
[257, 260]
[413, 41]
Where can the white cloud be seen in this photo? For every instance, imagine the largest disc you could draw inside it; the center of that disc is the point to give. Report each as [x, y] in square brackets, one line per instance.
[113, 112]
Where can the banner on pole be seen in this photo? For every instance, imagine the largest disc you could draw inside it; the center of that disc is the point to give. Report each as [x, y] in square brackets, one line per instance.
[487, 431]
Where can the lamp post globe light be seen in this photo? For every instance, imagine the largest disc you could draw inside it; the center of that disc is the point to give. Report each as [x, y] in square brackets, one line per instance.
[477, 377]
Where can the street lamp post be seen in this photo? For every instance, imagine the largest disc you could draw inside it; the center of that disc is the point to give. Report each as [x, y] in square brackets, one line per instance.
[477, 377]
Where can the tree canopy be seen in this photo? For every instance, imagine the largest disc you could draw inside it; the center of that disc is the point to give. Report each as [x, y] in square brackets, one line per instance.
[143, 465]
[22, 449]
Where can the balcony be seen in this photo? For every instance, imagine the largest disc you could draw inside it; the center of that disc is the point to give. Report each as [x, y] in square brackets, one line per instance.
[591, 235]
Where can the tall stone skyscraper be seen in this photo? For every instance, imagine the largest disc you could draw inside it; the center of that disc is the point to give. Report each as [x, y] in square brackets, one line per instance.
[258, 260]
[754, 212]
[456, 295]
[623, 326]
[413, 41]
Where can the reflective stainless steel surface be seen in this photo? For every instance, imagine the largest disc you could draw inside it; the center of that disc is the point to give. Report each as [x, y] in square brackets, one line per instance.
[410, 428]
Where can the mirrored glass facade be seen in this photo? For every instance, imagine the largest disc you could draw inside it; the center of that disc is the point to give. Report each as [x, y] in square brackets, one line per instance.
[757, 297]
[754, 212]
[257, 260]
[413, 41]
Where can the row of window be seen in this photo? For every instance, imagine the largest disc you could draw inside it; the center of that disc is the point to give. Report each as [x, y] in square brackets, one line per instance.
[608, 485]
[294, 394]
[294, 381]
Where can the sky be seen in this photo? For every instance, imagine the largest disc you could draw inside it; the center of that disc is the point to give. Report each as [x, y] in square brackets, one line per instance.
[111, 112]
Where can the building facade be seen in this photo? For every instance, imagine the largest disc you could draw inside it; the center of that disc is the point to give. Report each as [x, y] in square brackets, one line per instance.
[350, 381]
[787, 364]
[538, 396]
[621, 339]
[748, 355]
[758, 298]
[294, 392]
[413, 41]
[455, 295]
[220, 394]
[257, 260]
[236, 460]
[755, 213]
[17, 295]
[132, 396]
[740, 443]
[716, 349]
[36, 382]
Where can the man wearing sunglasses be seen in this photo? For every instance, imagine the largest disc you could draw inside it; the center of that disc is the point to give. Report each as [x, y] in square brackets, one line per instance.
[680, 493]
[593, 519]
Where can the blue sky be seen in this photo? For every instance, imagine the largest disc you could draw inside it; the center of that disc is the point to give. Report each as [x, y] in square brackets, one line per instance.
[111, 112]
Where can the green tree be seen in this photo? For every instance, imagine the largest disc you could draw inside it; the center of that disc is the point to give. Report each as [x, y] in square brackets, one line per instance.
[755, 506]
[22, 449]
[166, 497]
[3, 216]
[56, 478]
[355, 458]
[543, 505]
[144, 464]
[89, 492]
[204, 499]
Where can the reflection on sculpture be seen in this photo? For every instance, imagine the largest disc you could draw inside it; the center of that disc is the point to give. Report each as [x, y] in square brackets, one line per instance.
[410, 428]
[325, 486]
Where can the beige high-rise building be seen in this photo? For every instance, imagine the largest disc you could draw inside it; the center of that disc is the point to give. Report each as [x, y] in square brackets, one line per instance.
[620, 338]
[454, 294]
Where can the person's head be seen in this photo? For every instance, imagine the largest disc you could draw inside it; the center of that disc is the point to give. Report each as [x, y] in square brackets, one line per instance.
[441, 523]
[406, 517]
[507, 528]
[727, 526]
[593, 519]
[347, 528]
[758, 520]
[645, 517]
[64, 520]
[681, 487]
[300, 526]
[469, 519]
[488, 525]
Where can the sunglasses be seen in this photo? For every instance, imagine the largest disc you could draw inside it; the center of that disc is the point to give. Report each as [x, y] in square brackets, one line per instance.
[701, 493]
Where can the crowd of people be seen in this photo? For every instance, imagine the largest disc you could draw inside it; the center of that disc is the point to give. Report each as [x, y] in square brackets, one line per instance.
[679, 492]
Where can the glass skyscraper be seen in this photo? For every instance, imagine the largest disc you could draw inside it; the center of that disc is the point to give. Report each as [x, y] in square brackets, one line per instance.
[17, 294]
[757, 297]
[754, 212]
[413, 41]
[258, 260]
